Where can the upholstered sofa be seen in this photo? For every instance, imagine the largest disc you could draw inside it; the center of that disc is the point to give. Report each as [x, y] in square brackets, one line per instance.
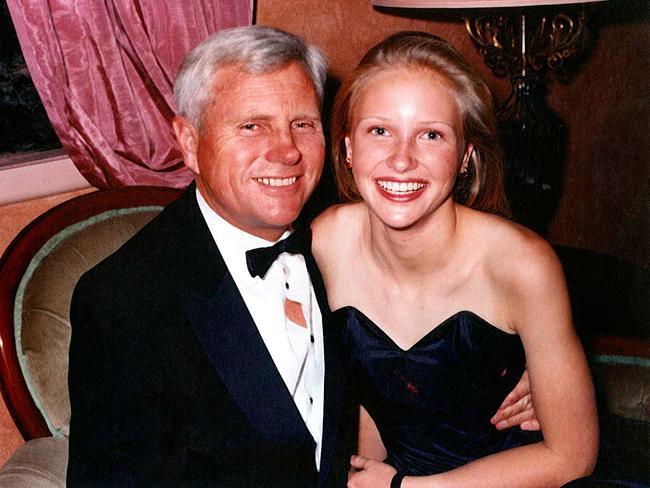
[38, 271]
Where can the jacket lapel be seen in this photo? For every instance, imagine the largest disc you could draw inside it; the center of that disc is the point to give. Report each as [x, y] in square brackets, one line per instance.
[231, 340]
[229, 337]
[334, 377]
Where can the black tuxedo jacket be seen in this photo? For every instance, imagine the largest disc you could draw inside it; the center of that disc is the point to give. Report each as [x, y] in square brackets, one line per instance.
[170, 382]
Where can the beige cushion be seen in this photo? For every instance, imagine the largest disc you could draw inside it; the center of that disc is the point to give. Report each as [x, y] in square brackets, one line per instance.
[40, 463]
[45, 325]
[623, 385]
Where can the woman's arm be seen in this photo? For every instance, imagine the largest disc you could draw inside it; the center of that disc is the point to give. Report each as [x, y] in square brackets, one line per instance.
[560, 385]
[370, 443]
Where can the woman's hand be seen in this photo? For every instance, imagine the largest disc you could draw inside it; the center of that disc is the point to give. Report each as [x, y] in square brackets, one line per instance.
[366, 473]
[517, 408]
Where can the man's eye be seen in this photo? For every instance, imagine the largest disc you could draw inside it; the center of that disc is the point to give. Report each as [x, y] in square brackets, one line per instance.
[250, 126]
[303, 125]
[379, 131]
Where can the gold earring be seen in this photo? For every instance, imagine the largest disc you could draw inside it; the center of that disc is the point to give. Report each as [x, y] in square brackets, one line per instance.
[348, 162]
[464, 172]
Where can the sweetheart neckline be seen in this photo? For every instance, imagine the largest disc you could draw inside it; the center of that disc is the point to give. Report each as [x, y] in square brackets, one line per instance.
[432, 332]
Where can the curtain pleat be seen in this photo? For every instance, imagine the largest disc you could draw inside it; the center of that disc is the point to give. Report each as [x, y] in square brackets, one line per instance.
[104, 70]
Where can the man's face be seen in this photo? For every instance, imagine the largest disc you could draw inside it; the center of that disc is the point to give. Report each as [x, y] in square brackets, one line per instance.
[260, 153]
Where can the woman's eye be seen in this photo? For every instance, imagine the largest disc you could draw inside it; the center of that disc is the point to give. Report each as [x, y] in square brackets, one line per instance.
[379, 131]
[432, 135]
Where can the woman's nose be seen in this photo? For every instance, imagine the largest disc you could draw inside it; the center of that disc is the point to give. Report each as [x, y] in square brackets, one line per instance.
[402, 158]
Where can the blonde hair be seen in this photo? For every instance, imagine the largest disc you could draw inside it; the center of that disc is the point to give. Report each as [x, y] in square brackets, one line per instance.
[482, 187]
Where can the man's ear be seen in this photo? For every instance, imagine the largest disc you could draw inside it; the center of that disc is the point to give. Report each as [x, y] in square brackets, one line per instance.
[188, 140]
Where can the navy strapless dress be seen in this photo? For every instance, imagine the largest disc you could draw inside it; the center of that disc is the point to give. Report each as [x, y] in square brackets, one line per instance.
[433, 402]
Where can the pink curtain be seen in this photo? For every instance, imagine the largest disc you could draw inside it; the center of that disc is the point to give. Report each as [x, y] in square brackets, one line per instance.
[104, 70]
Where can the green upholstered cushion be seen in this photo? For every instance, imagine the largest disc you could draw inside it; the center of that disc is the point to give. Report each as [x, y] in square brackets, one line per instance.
[42, 306]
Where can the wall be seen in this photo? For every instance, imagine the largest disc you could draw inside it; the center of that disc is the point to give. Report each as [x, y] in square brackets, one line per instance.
[606, 198]
[15, 216]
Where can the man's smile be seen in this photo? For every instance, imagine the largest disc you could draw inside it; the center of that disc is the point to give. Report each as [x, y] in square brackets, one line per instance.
[277, 181]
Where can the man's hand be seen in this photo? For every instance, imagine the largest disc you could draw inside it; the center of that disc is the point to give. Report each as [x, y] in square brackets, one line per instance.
[517, 408]
[367, 473]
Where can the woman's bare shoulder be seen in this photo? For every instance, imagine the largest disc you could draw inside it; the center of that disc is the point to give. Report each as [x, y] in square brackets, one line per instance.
[335, 219]
[517, 256]
[334, 227]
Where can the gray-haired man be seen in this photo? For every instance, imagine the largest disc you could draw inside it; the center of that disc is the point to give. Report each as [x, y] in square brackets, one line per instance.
[185, 370]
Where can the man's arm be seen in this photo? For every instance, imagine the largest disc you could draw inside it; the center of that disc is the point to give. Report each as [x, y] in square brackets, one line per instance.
[100, 454]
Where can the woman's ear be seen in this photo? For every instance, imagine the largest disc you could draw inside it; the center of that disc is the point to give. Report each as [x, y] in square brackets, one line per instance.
[469, 149]
[188, 140]
[348, 149]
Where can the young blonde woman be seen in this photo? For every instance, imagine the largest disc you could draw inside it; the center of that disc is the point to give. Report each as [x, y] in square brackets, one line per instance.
[443, 302]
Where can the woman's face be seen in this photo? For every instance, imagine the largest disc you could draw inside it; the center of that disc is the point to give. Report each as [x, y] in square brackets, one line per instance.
[406, 145]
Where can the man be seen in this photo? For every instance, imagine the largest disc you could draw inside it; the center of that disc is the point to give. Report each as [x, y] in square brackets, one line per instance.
[184, 368]
[188, 367]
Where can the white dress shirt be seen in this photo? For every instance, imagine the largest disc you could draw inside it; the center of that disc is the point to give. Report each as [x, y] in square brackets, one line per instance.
[299, 360]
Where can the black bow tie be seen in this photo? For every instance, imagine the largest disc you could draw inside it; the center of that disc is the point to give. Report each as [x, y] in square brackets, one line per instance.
[260, 260]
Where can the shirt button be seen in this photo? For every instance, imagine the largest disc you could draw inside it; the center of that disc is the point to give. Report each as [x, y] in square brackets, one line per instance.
[311, 400]
[286, 285]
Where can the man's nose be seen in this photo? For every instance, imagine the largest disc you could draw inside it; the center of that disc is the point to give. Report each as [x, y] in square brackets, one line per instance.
[402, 157]
[284, 149]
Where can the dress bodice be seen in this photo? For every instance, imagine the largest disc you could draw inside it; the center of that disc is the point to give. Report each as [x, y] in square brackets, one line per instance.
[432, 403]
